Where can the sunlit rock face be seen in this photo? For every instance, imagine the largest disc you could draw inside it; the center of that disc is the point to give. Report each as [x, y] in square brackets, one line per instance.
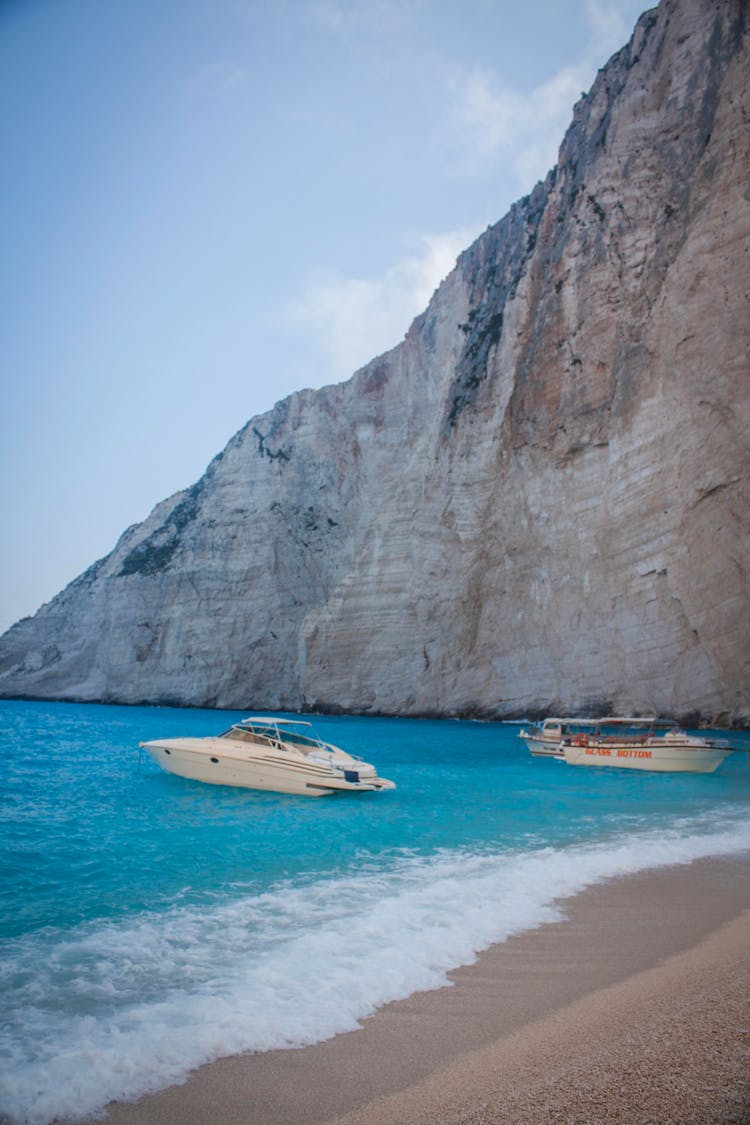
[537, 501]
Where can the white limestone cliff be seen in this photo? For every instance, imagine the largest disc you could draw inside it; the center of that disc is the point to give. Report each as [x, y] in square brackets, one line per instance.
[537, 501]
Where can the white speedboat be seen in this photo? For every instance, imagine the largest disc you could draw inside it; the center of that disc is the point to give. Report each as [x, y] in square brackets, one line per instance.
[282, 755]
[642, 743]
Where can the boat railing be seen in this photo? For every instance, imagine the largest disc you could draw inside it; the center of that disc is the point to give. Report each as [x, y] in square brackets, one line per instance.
[626, 739]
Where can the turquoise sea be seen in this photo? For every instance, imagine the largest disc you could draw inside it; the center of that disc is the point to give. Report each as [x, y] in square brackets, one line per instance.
[150, 924]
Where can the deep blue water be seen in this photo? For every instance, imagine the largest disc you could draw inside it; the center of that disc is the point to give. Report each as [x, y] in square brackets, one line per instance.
[149, 923]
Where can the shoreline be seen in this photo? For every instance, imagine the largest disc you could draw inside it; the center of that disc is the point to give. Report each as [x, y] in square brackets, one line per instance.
[688, 720]
[633, 1003]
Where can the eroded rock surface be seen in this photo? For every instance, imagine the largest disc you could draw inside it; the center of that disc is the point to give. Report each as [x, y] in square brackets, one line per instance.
[537, 501]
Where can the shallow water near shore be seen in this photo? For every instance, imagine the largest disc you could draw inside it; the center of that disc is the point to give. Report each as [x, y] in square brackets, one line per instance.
[150, 924]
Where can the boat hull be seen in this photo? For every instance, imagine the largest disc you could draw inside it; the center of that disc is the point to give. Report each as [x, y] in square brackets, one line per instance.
[210, 761]
[541, 748]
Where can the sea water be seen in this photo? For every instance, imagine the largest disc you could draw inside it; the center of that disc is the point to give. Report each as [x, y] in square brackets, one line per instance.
[150, 924]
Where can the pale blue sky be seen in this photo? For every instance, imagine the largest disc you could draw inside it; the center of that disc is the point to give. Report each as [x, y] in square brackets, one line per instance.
[208, 204]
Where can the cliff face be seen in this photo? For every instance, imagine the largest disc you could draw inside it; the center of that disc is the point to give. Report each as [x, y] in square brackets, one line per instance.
[538, 500]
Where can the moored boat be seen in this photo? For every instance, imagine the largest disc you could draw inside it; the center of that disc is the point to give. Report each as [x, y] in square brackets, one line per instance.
[280, 755]
[641, 743]
[545, 740]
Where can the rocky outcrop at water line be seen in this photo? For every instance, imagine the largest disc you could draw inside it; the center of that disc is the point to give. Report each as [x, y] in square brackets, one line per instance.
[537, 501]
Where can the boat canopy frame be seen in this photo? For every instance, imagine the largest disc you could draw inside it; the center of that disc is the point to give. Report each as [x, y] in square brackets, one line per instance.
[273, 729]
[652, 722]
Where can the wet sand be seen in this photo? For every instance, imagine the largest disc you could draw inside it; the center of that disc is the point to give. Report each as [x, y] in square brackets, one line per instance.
[633, 1010]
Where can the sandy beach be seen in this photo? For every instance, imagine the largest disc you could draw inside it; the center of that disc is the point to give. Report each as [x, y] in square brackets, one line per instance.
[632, 1010]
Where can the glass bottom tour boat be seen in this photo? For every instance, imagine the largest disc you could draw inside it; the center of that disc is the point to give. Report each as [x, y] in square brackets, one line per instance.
[641, 743]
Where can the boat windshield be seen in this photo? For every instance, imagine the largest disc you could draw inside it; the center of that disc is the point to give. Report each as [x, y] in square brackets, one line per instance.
[273, 732]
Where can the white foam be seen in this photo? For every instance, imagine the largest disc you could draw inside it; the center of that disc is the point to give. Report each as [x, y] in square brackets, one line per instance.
[117, 1010]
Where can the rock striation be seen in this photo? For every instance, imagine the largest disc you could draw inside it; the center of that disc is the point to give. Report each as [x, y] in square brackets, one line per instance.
[537, 502]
